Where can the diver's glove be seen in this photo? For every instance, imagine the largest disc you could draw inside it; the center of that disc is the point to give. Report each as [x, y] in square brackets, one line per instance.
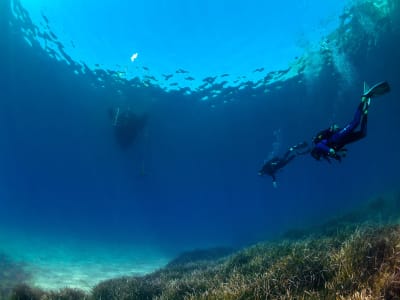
[334, 154]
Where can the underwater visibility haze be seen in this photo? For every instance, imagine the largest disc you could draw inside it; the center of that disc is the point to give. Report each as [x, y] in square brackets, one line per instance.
[132, 132]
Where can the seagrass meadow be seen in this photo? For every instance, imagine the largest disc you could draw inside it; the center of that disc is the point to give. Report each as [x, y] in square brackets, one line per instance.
[352, 256]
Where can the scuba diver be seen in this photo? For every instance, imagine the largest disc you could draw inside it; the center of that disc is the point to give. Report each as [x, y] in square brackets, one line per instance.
[276, 163]
[329, 143]
[127, 125]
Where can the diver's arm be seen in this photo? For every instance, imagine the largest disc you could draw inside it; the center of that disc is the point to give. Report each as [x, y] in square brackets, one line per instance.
[304, 152]
[307, 149]
[323, 149]
[273, 179]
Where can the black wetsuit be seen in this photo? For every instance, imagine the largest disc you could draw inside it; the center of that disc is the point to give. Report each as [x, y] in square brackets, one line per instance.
[276, 163]
[273, 165]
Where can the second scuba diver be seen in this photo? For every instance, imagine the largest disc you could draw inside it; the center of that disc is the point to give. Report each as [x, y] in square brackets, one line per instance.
[276, 163]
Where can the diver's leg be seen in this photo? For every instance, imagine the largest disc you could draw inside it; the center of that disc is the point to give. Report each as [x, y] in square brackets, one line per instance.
[341, 135]
[364, 122]
[357, 135]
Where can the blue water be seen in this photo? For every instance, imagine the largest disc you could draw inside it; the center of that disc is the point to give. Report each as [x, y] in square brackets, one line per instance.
[190, 178]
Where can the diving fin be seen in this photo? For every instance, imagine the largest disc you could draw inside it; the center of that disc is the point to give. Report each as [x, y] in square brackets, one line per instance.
[378, 89]
[366, 88]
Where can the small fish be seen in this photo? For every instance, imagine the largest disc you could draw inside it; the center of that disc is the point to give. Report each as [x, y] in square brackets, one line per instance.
[53, 35]
[181, 71]
[145, 68]
[150, 78]
[189, 78]
[45, 19]
[210, 79]
[168, 76]
[173, 84]
[225, 75]
[258, 70]
[203, 85]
